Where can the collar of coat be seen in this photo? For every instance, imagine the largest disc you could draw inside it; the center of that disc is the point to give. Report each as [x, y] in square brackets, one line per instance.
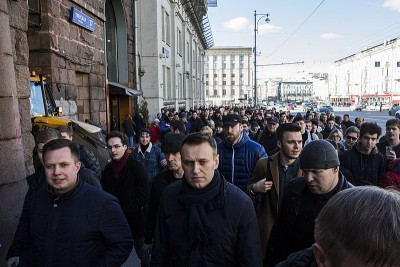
[357, 147]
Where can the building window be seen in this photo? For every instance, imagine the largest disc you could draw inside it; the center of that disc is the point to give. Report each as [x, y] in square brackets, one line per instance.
[224, 92]
[224, 66]
[233, 65]
[215, 92]
[241, 75]
[224, 75]
[223, 82]
[207, 75]
[233, 75]
[377, 64]
[167, 29]
[232, 82]
[207, 82]
[232, 57]
[163, 23]
[241, 82]
[398, 64]
[207, 92]
[224, 58]
[241, 65]
[232, 91]
[215, 66]
[215, 82]
[179, 42]
[241, 57]
[215, 57]
[188, 56]
[215, 75]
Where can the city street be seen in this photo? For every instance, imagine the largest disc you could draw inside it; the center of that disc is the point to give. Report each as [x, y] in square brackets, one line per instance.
[369, 115]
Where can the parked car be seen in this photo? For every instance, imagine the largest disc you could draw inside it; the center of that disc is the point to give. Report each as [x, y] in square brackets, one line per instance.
[393, 110]
[397, 114]
[325, 109]
[386, 107]
[358, 107]
[290, 106]
[308, 107]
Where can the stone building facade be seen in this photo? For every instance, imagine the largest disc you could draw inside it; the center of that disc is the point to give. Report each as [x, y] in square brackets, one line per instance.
[94, 73]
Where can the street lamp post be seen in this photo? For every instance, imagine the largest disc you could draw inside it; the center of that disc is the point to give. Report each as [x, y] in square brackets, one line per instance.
[255, 49]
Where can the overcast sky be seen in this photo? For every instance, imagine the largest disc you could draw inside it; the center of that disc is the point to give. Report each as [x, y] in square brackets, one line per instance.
[317, 32]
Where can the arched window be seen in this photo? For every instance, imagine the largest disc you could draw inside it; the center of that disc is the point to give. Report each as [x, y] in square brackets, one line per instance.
[116, 42]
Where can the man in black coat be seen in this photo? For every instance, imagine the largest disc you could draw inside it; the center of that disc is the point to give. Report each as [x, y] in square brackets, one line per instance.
[346, 232]
[170, 148]
[126, 178]
[364, 161]
[203, 220]
[303, 200]
[195, 123]
[68, 222]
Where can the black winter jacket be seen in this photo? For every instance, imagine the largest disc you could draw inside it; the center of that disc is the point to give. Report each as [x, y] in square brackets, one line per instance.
[83, 227]
[236, 224]
[366, 169]
[131, 189]
[304, 258]
[161, 181]
[285, 230]
[89, 160]
[36, 181]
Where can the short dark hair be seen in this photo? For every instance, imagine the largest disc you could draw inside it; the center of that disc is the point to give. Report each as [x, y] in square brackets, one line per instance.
[117, 134]
[330, 118]
[61, 143]
[393, 122]
[298, 118]
[286, 127]
[370, 128]
[178, 125]
[46, 135]
[196, 139]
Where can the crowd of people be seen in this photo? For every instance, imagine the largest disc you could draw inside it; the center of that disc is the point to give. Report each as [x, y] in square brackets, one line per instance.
[217, 186]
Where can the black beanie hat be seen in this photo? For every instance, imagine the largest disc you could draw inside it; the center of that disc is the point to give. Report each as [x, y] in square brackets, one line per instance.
[172, 142]
[319, 154]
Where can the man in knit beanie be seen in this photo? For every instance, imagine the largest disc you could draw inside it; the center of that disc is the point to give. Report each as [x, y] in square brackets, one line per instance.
[304, 198]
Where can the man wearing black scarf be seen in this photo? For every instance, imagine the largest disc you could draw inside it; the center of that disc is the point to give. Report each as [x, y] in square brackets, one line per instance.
[203, 220]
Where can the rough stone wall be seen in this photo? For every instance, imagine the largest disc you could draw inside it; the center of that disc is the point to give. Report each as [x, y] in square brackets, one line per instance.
[16, 141]
[63, 51]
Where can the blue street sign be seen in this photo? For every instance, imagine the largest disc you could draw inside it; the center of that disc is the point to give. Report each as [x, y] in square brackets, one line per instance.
[212, 3]
[79, 18]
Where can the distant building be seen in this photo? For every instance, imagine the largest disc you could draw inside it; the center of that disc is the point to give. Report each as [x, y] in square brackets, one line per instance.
[370, 76]
[298, 90]
[172, 39]
[228, 75]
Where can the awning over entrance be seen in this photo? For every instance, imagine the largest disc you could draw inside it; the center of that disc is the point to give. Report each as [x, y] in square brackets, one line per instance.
[119, 89]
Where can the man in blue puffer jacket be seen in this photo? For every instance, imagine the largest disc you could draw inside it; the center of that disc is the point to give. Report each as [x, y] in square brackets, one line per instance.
[238, 154]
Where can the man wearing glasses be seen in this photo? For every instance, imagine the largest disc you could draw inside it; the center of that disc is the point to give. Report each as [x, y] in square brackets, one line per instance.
[350, 137]
[126, 178]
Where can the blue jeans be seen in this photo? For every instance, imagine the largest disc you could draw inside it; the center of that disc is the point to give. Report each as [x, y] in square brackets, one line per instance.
[131, 141]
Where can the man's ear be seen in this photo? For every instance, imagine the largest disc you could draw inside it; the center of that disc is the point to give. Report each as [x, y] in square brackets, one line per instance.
[319, 255]
[336, 169]
[278, 144]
